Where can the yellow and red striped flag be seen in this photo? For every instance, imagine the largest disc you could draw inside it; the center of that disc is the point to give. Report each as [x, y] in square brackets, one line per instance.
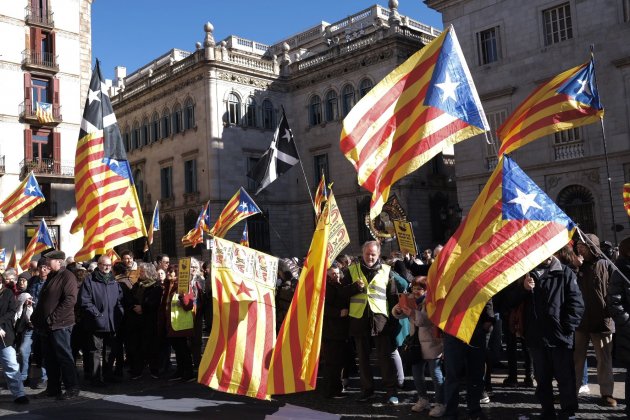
[511, 228]
[113, 256]
[296, 355]
[240, 207]
[13, 259]
[44, 112]
[26, 197]
[568, 100]
[108, 208]
[155, 226]
[236, 358]
[195, 235]
[626, 198]
[426, 104]
[245, 236]
[321, 195]
[40, 242]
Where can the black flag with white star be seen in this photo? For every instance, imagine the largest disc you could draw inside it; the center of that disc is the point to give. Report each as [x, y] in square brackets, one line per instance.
[281, 156]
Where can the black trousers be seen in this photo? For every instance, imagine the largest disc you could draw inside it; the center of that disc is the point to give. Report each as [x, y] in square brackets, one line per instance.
[101, 350]
[385, 346]
[183, 355]
[549, 363]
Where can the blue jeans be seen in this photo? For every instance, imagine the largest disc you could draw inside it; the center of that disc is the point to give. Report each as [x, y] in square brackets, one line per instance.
[8, 358]
[435, 370]
[28, 341]
[59, 361]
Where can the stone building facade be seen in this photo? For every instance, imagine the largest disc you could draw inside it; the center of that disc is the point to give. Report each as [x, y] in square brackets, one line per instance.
[45, 58]
[513, 46]
[194, 123]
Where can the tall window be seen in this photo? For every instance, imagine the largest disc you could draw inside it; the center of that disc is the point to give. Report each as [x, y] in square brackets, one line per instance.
[347, 99]
[567, 136]
[578, 203]
[166, 179]
[167, 232]
[332, 108]
[190, 176]
[166, 124]
[321, 167]
[178, 126]
[495, 119]
[315, 110]
[364, 87]
[138, 180]
[127, 140]
[557, 26]
[267, 114]
[251, 112]
[251, 164]
[258, 229]
[155, 127]
[144, 134]
[135, 136]
[40, 88]
[42, 147]
[233, 109]
[488, 46]
[189, 114]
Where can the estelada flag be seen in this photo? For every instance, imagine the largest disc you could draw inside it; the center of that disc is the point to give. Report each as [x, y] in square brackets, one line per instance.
[511, 228]
[568, 100]
[13, 259]
[236, 358]
[155, 226]
[626, 198]
[426, 104]
[25, 198]
[240, 207]
[295, 357]
[108, 209]
[40, 242]
[195, 235]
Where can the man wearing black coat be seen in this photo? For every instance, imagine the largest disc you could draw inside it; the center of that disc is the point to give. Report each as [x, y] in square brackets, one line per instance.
[553, 310]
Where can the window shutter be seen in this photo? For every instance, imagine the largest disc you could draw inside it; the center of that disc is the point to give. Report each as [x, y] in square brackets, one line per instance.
[55, 97]
[57, 152]
[28, 94]
[28, 144]
[52, 47]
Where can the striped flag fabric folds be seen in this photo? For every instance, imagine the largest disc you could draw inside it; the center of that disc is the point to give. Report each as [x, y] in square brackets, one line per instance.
[44, 112]
[13, 259]
[426, 104]
[296, 355]
[245, 237]
[25, 198]
[568, 100]
[155, 225]
[108, 208]
[240, 207]
[511, 228]
[626, 198]
[40, 242]
[195, 235]
[236, 358]
[113, 255]
[3, 256]
[321, 195]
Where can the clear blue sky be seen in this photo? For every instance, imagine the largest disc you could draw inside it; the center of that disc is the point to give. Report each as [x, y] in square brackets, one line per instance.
[131, 33]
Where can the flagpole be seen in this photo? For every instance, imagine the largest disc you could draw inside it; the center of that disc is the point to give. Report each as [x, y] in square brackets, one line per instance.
[610, 196]
[276, 232]
[308, 187]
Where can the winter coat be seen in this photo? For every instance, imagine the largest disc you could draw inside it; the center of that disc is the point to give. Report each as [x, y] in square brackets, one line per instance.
[8, 307]
[593, 279]
[428, 334]
[554, 309]
[55, 307]
[101, 304]
[618, 299]
[335, 326]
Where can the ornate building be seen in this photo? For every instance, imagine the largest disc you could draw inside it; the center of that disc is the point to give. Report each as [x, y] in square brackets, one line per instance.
[194, 123]
[513, 46]
[44, 63]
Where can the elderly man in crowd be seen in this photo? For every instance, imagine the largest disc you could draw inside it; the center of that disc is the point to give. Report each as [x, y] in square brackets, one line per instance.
[369, 286]
[53, 319]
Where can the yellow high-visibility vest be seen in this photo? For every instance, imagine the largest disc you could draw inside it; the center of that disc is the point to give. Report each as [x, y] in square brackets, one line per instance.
[180, 318]
[376, 291]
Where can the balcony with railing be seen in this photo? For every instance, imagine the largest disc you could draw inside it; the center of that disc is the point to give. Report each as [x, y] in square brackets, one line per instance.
[56, 171]
[43, 114]
[2, 170]
[39, 60]
[38, 16]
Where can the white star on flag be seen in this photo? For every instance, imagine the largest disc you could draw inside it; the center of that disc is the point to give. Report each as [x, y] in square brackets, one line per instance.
[584, 87]
[448, 88]
[243, 206]
[31, 188]
[525, 201]
[93, 95]
[287, 135]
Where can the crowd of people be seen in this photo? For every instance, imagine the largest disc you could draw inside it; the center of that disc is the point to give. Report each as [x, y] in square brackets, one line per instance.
[124, 320]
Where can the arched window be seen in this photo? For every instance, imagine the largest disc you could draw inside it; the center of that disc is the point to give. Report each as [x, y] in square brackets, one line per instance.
[315, 110]
[267, 114]
[166, 123]
[144, 133]
[178, 125]
[138, 180]
[190, 219]
[127, 139]
[365, 87]
[189, 114]
[167, 231]
[233, 109]
[578, 203]
[155, 127]
[251, 112]
[347, 99]
[135, 136]
[332, 108]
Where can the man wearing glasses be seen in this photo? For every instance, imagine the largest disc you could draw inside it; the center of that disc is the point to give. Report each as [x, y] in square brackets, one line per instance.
[53, 318]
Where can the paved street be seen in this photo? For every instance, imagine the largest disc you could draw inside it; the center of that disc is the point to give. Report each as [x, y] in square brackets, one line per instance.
[157, 399]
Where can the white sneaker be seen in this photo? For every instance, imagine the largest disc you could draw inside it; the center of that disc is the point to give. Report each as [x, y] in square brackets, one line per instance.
[584, 390]
[421, 405]
[438, 410]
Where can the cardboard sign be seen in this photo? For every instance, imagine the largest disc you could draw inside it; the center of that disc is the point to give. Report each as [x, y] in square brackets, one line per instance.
[183, 277]
[338, 238]
[404, 234]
